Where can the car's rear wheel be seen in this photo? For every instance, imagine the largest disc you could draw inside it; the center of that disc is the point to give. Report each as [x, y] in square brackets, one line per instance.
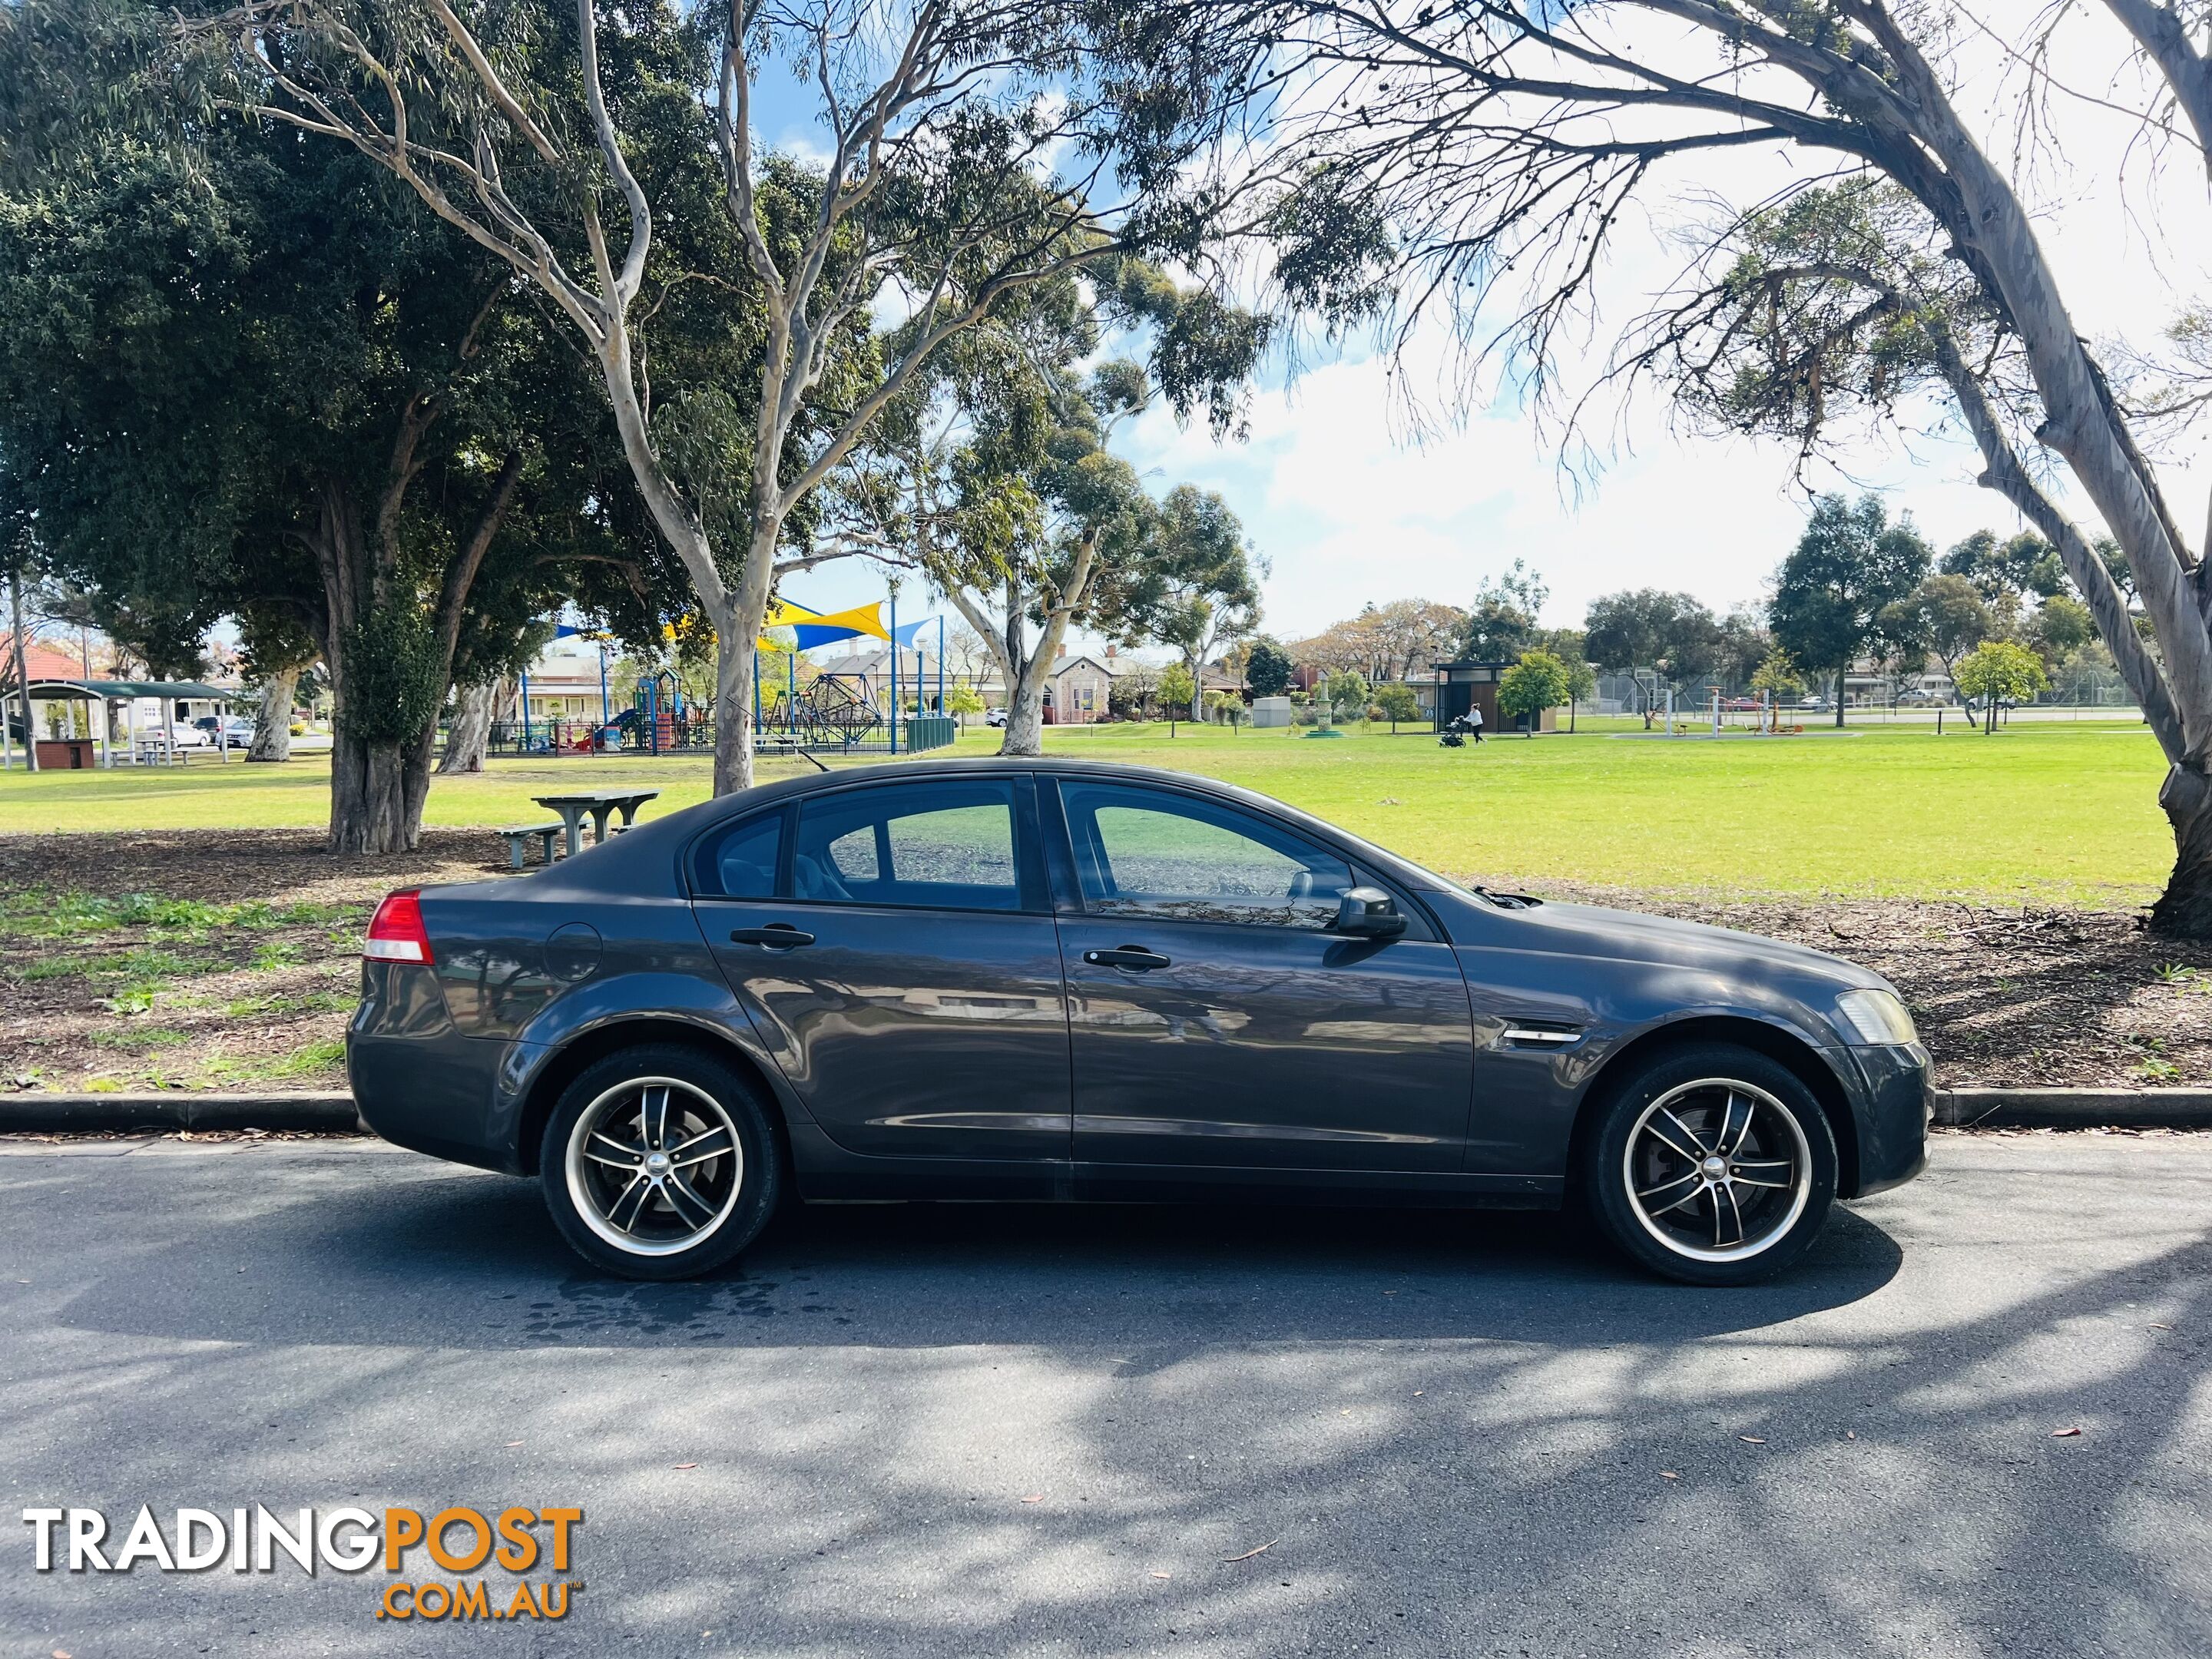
[1714, 1166]
[658, 1163]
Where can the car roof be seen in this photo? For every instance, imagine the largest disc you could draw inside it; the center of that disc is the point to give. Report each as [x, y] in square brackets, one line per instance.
[647, 859]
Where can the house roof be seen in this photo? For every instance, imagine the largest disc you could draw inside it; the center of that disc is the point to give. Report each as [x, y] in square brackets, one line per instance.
[41, 662]
[1112, 667]
[876, 660]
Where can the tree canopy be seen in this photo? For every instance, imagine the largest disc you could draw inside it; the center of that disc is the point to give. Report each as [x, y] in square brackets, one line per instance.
[1862, 186]
[1269, 668]
[1673, 633]
[1539, 681]
[1835, 590]
[975, 151]
[1997, 671]
[250, 380]
[1502, 622]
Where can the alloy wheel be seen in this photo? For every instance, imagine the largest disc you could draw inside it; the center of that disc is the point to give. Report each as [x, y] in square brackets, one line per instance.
[654, 1165]
[1717, 1169]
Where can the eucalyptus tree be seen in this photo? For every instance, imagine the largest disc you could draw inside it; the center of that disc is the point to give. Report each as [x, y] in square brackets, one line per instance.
[1489, 154]
[1504, 619]
[991, 476]
[1835, 595]
[1485, 156]
[1673, 634]
[1945, 615]
[973, 148]
[1198, 586]
[1016, 511]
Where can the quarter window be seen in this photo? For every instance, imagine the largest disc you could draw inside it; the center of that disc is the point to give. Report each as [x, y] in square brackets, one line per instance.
[739, 862]
[949, 846]
[1142, 852]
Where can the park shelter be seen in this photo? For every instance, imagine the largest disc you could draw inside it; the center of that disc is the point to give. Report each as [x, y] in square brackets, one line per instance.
[1461, 686]
[73, 754]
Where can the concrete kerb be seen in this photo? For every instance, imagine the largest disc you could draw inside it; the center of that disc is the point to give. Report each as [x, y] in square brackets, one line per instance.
[333, 1109]
[2075, 1109]
[57, 1114]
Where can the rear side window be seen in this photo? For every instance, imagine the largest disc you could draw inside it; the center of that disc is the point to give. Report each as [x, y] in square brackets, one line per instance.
[739, 862]
[946, 846]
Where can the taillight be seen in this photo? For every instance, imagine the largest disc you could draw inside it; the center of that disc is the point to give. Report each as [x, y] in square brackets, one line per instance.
[395, 933]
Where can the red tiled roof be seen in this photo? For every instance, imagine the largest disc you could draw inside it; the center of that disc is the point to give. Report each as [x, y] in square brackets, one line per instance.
[43, 662]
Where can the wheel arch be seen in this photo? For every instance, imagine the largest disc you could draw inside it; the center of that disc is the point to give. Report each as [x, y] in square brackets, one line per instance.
[588, 1048]
[1776, 1043]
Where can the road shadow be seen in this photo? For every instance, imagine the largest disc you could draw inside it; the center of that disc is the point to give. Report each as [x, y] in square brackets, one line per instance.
[472, 1262]
[954, 1431]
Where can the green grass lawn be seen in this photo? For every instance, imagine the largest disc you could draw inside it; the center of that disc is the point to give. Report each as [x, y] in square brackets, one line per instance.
[2065, 813]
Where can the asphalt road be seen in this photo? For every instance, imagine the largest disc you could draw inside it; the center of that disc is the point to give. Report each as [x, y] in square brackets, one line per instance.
[1454, 1436]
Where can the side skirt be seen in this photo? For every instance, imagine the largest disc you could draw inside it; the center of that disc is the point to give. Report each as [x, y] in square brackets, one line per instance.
[826, 1173]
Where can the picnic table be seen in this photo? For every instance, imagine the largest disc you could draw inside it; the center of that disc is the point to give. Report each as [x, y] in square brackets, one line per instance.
[600, 804]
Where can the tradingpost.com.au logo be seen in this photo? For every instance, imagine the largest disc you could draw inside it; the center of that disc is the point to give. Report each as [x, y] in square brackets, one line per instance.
[504, 1547]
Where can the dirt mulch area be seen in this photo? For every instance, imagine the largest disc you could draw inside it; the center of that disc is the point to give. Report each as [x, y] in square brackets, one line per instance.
[193, 960]
[252, 987]
[224, 867]
[2004, 997]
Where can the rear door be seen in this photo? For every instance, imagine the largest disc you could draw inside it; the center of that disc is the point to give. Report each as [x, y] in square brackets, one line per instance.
[895, 943]
[1216, 1022]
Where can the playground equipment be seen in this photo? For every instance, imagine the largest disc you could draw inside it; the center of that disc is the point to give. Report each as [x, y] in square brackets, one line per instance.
[840, 710]
[829, 709]
[838, 707]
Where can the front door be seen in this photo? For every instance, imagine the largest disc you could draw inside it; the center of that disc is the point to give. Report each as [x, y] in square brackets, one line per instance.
[1216, 1022]
[908, 976]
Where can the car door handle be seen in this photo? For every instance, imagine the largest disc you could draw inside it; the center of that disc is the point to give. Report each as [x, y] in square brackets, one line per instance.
[776, 936]
[1133, 957]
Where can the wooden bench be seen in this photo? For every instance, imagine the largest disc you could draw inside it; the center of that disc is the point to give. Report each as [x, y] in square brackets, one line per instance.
[517, 836]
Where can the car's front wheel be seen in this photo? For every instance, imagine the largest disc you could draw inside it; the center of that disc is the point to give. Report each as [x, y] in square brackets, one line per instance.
[658, 1163]
[1714, 1166]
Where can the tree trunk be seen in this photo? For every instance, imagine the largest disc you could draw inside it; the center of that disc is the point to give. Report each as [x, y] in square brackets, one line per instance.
[1839, 697]
[273, 721]
[468, 735]
[23, 675]
[1025, 713]
[1026, 716]
[734, 647]
[2184, 910]
[377, 791]
[737, 643]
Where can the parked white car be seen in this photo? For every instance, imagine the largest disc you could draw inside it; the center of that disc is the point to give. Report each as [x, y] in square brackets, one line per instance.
[237, 730]
[994, 717]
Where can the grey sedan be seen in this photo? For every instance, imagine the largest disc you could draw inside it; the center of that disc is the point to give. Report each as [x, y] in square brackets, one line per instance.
[1049, 979]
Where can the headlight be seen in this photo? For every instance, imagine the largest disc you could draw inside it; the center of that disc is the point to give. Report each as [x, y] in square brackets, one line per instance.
[1877, 1019]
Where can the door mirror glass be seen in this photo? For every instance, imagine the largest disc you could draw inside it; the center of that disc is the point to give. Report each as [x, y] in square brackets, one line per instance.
[1369, 913]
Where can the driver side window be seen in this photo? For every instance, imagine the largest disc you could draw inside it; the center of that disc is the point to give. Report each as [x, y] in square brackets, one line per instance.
[1145, 852]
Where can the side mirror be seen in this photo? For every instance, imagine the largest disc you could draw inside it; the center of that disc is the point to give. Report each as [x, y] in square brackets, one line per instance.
[1368, 913]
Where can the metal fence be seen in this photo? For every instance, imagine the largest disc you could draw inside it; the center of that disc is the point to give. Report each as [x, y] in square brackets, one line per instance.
[918, 733]
[2077, 685]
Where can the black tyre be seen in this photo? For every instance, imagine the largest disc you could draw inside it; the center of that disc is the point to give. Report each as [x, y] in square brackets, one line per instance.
[659, 1162]
[1714, 1166]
